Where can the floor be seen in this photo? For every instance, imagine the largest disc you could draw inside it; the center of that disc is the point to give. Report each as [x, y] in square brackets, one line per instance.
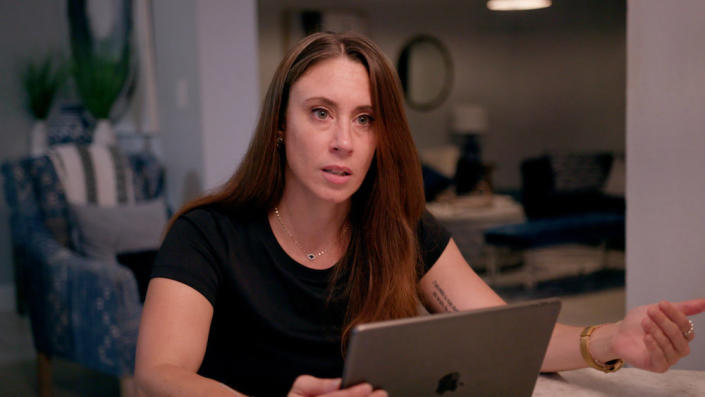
[18, 372]
[17, 357]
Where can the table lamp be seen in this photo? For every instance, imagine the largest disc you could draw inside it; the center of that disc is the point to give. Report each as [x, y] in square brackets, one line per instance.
[469, 122]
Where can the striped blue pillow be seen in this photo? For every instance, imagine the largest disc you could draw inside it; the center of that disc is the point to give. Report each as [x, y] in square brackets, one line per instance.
[93, 174]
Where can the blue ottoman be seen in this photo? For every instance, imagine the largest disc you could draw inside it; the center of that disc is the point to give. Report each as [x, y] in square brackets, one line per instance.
[596, 228]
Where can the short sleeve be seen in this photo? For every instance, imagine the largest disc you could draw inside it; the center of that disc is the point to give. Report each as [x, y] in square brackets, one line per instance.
[433, 240]
[189, 254]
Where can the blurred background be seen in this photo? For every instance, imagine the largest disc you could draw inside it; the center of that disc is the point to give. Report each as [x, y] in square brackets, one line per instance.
[523, 119]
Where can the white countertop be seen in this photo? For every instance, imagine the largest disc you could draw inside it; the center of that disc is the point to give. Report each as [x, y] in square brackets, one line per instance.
[627, 382]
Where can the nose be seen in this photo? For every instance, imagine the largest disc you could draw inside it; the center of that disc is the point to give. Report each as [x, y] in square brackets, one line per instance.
[342, 138]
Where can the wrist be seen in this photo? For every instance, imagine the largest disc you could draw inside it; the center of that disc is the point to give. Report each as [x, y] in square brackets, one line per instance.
[600, 345]
[596, 347]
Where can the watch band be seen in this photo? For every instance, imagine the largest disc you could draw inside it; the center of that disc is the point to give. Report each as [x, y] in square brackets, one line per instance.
[609, 366]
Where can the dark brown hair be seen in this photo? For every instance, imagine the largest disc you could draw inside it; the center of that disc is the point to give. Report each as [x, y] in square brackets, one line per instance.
[379, 270]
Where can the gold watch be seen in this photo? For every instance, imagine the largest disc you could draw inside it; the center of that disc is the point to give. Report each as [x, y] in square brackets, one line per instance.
[609, 366]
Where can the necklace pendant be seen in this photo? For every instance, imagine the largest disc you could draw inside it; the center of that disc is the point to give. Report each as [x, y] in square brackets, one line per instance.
[311, 257]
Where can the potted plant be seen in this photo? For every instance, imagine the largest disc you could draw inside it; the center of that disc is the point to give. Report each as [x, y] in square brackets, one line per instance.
[100, 80]
[41, 81]
[102, 68]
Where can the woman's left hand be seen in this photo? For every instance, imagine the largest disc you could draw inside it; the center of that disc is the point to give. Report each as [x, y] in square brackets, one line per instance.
[654, 337]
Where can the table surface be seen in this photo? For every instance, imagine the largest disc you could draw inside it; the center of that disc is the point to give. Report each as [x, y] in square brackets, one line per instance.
[495, 208]
[627, 382]
[467, 218]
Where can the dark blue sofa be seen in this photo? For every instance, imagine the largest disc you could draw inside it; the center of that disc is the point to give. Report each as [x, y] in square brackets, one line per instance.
[564, 202]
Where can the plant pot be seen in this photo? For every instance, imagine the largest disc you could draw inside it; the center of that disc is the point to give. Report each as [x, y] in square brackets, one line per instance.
[38, 140]
[103, 134]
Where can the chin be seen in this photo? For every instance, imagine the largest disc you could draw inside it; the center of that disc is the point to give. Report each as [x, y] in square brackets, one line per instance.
[336, 196]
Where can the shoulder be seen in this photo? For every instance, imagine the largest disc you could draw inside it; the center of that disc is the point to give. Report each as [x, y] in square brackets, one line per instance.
[430, 231]
[433, 239]
[210, 218]
[203, 215]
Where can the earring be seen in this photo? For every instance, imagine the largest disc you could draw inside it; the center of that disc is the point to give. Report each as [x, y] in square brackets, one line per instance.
[280, 141]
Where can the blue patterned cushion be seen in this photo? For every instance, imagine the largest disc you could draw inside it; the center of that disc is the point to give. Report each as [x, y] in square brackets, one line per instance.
[19, 192]
[147, 176]
[51, 199]
[577, 172]
[69, 125]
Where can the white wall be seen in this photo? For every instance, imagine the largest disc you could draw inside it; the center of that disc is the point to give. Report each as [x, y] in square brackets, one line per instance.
[665, 143]
[551, 79]
[227, 62]
[178, 90]
[207, 82]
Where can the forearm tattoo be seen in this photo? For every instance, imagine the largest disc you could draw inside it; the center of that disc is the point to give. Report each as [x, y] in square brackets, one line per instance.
[440, 296]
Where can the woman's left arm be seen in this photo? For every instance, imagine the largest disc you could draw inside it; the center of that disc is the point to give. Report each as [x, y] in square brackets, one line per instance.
[652, 337]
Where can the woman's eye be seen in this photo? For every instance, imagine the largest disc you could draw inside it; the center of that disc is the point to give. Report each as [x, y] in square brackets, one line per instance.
[364, 119]
[320, 113]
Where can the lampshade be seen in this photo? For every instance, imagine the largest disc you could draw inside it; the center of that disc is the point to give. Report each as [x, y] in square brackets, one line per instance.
[514, 5]
[468, 118]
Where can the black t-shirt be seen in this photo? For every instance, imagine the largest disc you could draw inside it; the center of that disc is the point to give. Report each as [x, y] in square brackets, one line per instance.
[272, 319]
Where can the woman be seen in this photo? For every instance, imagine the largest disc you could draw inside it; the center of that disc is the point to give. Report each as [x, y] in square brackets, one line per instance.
[322, 227]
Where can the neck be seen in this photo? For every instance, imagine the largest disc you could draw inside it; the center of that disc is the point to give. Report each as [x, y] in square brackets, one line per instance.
[315, 224]
[313, 220]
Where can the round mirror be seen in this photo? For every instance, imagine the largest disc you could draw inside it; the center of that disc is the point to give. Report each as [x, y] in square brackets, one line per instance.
[426, 72]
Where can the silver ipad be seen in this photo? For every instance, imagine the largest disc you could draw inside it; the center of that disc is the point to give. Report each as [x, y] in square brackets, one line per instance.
[495, 351]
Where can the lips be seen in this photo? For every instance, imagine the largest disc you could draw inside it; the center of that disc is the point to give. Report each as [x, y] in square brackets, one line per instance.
[336, 170]
[337, 175]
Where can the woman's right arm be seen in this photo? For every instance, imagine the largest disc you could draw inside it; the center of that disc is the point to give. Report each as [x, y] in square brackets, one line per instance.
[172, 341]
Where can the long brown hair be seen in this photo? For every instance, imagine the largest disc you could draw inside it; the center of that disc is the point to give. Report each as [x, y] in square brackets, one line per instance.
[380, 268]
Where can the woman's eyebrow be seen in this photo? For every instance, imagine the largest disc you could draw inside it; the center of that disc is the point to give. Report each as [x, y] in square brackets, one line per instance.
[365, 108]
[320, 99]
[327, 102]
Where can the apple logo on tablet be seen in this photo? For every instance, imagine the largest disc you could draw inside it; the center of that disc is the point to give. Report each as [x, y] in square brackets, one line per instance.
[448, 382]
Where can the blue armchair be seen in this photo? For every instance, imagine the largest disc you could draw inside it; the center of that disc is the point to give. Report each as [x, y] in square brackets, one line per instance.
[80, 309]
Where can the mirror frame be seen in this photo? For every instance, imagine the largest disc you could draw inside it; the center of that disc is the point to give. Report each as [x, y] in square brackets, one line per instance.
[403, 71]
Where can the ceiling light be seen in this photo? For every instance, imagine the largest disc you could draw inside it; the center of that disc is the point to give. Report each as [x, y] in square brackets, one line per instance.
[514, 5]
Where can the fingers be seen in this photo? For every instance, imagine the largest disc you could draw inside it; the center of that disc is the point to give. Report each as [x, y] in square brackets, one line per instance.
[657, 358]
[677, 316]
[361, 390]
[306, 385]
[672, 330]
[665, 338]
[665, 347]
[691, 307]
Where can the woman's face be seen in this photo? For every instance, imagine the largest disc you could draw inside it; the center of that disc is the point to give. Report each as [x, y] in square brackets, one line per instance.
[330, 131]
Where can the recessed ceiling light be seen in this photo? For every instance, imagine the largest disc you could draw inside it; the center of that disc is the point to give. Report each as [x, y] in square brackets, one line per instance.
[514, 5]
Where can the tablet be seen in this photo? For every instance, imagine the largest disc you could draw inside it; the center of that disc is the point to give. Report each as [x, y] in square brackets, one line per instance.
[495, 351]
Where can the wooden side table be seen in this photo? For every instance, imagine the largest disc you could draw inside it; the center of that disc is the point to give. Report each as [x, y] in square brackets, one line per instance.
[466, 218]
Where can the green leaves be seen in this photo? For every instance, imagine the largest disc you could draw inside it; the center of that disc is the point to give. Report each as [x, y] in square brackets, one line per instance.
[100, 79]
[41, 81]
[100, 73]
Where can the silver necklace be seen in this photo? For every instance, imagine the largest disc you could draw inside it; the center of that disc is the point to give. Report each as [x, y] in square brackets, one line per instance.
[309, 255]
